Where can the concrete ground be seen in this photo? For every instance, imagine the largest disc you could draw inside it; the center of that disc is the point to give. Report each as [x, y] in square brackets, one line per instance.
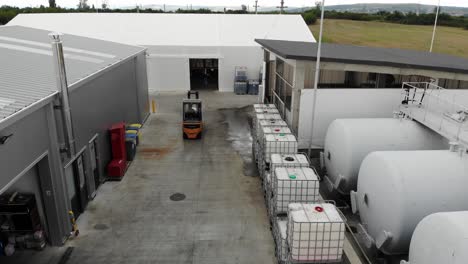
[222, 218]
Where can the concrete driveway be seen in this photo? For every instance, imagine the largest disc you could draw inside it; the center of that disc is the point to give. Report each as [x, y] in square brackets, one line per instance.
[221, 216]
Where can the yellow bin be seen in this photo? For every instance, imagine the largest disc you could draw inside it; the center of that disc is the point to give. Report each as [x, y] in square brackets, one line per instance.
[135, 126]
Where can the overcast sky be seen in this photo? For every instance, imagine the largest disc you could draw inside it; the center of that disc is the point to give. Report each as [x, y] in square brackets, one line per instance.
[298, 3]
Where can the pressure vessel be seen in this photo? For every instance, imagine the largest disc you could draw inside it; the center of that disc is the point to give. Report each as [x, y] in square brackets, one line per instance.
[348, 141]
[397, 189]
[440, 238]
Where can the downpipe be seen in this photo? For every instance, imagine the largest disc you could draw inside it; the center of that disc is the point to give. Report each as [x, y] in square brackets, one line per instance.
[62, 85]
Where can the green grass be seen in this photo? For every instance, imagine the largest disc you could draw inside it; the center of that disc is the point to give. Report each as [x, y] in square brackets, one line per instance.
[449, 40]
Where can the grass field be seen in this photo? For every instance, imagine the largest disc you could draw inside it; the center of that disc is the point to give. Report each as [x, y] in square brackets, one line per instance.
[449, 40]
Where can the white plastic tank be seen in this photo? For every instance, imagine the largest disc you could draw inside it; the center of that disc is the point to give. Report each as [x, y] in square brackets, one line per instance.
[274, 130]
[259, 117]
[397, 189]
[296, 160]
[263, 106]
[348, 141]
[269, 123]
[294, 185]
[316, 233]
[283, 160]
[272, 122]
[278, 143]
[280, 236]
[266, 111]
[440, 238]
[266, 116]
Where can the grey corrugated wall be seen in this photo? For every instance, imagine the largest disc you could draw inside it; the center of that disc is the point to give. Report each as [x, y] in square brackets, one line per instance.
[31, 137]
[119, 94]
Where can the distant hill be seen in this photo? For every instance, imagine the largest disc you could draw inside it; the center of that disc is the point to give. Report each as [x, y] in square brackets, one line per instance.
[172, 8]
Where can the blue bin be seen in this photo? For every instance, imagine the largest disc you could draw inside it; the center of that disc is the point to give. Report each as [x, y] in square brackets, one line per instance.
[134, 132]
[253, 87]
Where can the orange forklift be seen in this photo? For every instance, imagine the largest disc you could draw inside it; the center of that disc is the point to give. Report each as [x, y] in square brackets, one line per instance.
[192, 125]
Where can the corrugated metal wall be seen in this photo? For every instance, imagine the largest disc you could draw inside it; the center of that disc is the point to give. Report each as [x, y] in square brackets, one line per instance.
[110, 98]
[33, 143]
[118, 94]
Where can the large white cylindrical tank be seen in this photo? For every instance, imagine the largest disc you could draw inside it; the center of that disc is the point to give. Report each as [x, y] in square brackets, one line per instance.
[348, 141]
[397, 189]
[440, 238]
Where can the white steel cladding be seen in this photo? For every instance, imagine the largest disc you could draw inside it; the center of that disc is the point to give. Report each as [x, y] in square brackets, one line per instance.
[348, 141]
[173, 39]
[440, 238]
[397, 189]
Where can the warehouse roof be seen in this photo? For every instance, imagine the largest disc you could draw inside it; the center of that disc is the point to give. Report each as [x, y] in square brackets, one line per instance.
[367, 55]
[173, 29]
[27, 75]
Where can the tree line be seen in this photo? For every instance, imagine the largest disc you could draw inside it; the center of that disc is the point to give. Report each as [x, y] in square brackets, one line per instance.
[7, 13]
[410, 18]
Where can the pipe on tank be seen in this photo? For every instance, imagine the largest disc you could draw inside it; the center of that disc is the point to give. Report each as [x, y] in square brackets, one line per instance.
[62, 85]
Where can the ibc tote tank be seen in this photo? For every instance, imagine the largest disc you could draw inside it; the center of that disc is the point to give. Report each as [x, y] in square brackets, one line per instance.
[440, 238]
[397, 189]
[348, 141]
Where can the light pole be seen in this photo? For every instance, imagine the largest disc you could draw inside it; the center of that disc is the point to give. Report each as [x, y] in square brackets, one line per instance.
[282, 7]
[435, 26]
[317, 75]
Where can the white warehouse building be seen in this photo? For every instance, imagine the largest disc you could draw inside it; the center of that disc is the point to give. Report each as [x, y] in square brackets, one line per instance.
[183, 49]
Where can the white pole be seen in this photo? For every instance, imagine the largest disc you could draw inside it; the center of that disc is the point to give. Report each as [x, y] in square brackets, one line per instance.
[435, 26]
[317, 75]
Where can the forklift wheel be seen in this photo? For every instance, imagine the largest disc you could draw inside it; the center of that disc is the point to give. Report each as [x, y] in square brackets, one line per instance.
[184, 135]
[199, 136]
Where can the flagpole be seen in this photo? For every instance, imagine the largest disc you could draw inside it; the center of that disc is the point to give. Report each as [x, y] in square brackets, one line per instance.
[435, 26]
[317, 75]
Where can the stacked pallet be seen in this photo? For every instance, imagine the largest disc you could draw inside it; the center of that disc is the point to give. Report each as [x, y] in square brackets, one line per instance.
[240, 80]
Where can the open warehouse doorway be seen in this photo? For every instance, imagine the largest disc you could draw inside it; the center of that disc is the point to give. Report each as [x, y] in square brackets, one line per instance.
[28, 209]
[204, 74]
[76, 184]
